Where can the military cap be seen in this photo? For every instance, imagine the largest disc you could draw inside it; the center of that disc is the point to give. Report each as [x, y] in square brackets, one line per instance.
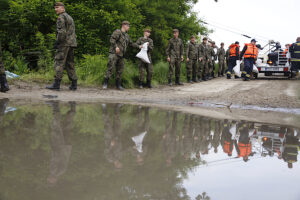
[147, 30]
[222, 43]
[193, 36]
[205, 38]
[213, 42]
[59, 4]
[125, 23]
[175, 30]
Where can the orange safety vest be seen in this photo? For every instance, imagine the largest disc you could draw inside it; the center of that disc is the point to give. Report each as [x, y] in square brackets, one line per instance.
[233, 50]
[245, 149]
[251, 52]
[285, 51]
[227, 148]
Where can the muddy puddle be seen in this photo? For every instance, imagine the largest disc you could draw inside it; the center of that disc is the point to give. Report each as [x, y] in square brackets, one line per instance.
[69, 151]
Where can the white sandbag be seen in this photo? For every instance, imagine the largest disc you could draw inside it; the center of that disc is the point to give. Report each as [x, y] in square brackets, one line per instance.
[237, 68]
[11, 75]
[255, 70]
[143, 54]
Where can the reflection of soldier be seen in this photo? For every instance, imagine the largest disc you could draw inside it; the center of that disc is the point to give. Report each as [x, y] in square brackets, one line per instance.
[227, 142]
[217, 135]
[3, 104]
[142, 128]
[187, 136]
[290, 149]
[202, 136]
[60, 149]
[112, 136]
[170, 138]
[244, 146]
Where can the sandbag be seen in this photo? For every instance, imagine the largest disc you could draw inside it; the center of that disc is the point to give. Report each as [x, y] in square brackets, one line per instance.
[255, 70]
[143, 55]
[237, 68]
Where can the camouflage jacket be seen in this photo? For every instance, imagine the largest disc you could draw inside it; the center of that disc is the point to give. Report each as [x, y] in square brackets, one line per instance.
[221, 54]
[143, 40]
[192, 51]
[65, 31]
[211, 53]
[203, 51]
[175, 48]
[122, 41]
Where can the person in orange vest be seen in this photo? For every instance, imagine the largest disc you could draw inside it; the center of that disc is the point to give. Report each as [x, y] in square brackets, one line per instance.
[234, 54]
[250, 53]
[227, 142]
[287, 46]
[244, 147]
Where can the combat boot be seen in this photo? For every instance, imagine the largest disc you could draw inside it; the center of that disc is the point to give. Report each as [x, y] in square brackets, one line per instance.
[73, 85]
[195, 80]
[208, 77]
[118, 85]
[3, 82]
[189, 80]
[54, 86]
[177, 81]
[228, 75]
[140, 84]
[105, 83]
[170, 82]
[149, 85]
[204, 78]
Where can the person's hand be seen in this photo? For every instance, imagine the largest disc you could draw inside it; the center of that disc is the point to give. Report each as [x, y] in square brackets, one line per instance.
[169, 59]
[187, 60]
[117, 50]
[200, 59]
[182, 59]
[208, 60]
[141, 46]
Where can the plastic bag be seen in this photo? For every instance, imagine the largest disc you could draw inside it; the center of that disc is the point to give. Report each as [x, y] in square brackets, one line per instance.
[11, 75]
[237, 68]
[143, 54]
[138, 140]
[255, 70]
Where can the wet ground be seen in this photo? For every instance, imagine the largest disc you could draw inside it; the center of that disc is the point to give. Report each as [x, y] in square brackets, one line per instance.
[90, 151]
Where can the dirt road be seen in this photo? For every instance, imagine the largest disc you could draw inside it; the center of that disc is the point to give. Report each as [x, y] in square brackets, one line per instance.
[264, 93]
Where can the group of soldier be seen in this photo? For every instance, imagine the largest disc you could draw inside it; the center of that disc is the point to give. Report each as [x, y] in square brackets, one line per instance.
[200, 58]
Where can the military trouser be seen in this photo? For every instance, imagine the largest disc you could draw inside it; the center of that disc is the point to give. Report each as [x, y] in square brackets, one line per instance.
[2, 69]
[221, 66]
[174, 63]
[203, 68]
[115, 61]
[149, 69]
[192, 68]
[64, 59]
[212, 67]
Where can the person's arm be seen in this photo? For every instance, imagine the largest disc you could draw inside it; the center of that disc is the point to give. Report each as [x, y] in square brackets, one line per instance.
[114, 38]
[151, 45]
[133, 44]
[168, 50]
[187, 52]
[200, 52]
[61, 30]
[181, 50]
[243, 52]
[237, 52]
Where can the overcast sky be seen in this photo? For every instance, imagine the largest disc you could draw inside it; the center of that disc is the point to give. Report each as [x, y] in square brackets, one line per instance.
[260, 19]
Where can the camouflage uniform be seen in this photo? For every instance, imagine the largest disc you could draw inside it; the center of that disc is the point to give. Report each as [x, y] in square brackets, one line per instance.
[142, 65]
[203, 67]
[2, 69]
[65, 44]
[122, 41]
[211, 63]
[192, 64]
[221, 57]
[175, 52]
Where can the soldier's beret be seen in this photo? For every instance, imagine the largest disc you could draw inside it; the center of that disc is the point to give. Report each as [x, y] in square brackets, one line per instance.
[147, 30]
[125, 23]
[59, 4]
[175, 30]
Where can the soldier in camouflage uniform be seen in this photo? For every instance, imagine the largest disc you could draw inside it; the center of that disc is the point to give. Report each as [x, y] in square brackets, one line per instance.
[175, 51]
[119, 40]
[204, 59]
[64, 45]
[3, 81]
[211, 63]
[192, 60]
[143, 65]
[221, 58]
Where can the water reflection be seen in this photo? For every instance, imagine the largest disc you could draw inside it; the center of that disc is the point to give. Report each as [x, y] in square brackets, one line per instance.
[116, 151]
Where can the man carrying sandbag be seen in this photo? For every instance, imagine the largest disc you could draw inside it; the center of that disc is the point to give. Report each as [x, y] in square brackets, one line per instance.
[119, 41]
[143, 65]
